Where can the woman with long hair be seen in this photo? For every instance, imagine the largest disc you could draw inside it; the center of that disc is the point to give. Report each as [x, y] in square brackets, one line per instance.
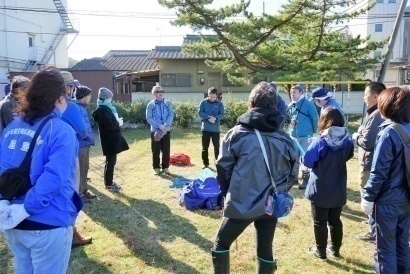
[38, 226]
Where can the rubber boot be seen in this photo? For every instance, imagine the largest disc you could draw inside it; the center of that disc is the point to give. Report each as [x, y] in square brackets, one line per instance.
[266, 267]
[220, 260]
[305, 180]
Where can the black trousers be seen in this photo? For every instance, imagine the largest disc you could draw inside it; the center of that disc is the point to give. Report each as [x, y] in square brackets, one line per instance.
[110, 161]
[322, 217]
[230, 229]
[164, 146]
[206, 139]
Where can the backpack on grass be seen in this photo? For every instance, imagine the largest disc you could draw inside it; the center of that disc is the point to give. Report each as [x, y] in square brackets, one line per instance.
[405, 138]
[205, 195]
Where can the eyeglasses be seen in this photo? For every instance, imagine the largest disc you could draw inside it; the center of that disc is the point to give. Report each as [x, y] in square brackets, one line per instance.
[159, 91]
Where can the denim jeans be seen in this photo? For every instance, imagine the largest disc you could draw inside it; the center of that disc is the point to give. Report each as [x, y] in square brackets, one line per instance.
[40, 251]
[230, 229]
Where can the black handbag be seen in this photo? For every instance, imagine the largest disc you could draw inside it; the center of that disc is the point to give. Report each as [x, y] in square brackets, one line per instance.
[15, 182]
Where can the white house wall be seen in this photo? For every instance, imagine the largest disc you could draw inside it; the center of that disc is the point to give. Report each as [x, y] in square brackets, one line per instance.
[17, 26]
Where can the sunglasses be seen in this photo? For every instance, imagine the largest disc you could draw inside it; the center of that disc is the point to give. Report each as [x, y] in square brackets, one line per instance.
[159, 91]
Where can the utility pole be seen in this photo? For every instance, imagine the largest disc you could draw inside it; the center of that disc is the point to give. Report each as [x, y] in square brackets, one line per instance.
[392, 41]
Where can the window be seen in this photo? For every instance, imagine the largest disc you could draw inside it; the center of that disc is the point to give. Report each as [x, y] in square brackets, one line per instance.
[176, 80]
[379, 1]
[124, 88]
[30, 41]
[226, 82]
[378, 27]
[377, 54]
[392, 1]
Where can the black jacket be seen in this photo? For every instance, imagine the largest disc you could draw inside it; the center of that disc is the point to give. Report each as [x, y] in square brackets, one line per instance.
[242, 172]
[112, 141]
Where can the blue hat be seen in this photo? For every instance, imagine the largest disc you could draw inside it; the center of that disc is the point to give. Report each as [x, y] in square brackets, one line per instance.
[273, 85]
[320, 93]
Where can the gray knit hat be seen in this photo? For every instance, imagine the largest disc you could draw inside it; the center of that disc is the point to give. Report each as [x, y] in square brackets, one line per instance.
[104, 93]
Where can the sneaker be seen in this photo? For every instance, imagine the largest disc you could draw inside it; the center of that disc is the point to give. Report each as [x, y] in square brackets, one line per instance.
[89, 195]
[157, 171]
[113, 187]
[366, 237]
[332, 252]
[79, 240]
[205, 166]
[166, 171]
[316, 253]
[366, 222]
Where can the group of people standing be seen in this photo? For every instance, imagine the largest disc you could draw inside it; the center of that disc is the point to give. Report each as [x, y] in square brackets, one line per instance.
[59, 174]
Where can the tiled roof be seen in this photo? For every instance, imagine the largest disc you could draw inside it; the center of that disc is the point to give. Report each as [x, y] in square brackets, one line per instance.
[175, 52]
[118, 60]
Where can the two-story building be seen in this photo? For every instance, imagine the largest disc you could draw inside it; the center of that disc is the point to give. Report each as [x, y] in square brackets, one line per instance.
[378, 22]
[33, 34]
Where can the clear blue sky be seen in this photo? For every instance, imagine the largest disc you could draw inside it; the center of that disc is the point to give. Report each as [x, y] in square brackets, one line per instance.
[132, 25]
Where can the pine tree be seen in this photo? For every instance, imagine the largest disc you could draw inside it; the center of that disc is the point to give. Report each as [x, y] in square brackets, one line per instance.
[304, 41]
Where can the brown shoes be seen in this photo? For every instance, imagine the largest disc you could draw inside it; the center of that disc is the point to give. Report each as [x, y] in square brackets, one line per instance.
[79, 240]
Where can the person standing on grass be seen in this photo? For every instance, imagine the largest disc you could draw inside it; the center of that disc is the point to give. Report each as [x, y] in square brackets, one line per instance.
[112, 141]
[160, 115]
[303, 124]
[386, 195]
[83, 97]
[327, 155]
[244, 178]
[38, 226]
[323, 99]
[211, 111]
[365, 138]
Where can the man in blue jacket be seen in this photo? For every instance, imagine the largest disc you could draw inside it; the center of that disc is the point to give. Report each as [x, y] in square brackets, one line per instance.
[303, 123]
[323, 99]
[74, 118]
[83, 97]
[160, 115]
[211, 111]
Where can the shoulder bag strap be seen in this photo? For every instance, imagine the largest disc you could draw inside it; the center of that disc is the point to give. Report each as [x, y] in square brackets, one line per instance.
[266, 157]
[27, 159]
[402, 132]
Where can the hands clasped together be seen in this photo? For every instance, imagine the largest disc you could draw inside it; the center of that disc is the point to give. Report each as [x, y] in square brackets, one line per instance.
[11, 214]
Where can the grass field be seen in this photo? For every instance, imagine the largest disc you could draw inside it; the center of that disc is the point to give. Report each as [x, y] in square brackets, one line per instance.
[142, 229]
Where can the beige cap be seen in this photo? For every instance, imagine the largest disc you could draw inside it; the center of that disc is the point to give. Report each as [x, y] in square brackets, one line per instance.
[68, 78]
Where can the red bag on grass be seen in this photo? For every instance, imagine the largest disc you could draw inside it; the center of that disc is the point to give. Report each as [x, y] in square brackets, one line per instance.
[179, 159]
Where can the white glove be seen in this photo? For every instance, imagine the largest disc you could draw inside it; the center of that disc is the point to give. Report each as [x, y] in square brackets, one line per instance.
[360, 129]
[212, 119]
[4, 205]
[367, 207]
[16, 215]
[355, 136]
[120, 121]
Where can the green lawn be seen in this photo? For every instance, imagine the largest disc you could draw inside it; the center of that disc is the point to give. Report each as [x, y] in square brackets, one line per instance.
[143, 229]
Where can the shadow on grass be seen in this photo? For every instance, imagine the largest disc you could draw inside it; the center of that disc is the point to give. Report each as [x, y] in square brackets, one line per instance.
[359, 267]
[143, 226]
[75, 265]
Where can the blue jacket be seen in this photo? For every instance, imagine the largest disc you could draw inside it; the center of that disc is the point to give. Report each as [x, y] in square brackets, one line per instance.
[387, 183]
[52, 200]
[90, 139]
[73, 117]
[332, 103]
[281, 106]
[305, 114]
[327, 156]
[160, 113]
[208, 109]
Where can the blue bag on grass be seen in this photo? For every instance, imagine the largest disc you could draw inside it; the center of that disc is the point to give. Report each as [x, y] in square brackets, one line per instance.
[205, 196]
